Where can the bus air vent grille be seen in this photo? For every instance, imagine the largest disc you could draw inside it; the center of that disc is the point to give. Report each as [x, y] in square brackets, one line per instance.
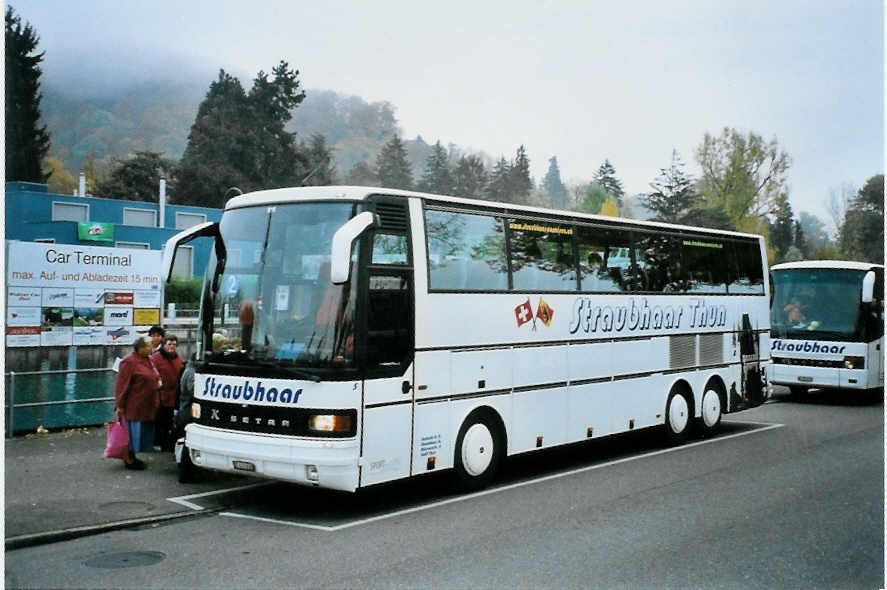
[681, 351]
[711, 349]
[393, 217]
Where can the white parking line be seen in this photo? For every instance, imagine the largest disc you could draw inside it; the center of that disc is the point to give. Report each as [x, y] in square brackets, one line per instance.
[495, 490]
[183, 500]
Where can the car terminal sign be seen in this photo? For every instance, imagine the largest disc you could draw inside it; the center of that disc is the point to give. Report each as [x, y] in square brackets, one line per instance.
[67, 294]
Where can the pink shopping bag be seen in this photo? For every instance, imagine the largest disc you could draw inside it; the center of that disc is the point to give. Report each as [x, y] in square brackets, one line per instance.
[118, 439]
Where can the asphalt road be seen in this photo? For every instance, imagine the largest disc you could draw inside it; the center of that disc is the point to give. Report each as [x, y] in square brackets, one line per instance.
[799, 505]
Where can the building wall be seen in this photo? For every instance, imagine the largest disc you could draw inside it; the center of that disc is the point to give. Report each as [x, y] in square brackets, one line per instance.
[29, 218]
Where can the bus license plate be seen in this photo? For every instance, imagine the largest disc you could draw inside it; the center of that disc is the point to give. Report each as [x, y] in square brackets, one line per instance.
[805, 379]
[244, 466]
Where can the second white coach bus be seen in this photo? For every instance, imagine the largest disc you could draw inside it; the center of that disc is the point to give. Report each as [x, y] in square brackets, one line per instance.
[352, 336]
[827, 321]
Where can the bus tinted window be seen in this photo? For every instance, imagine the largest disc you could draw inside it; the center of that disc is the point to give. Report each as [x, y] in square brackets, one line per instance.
[466, 252]
[604, 259]
[658, 259]
[745, 268]
[541, 256]
[703, 259]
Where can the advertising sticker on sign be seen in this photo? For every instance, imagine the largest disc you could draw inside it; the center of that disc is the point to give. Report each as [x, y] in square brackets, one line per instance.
[29, 336]
[24, 296]
[118, 316]
[23, 316]
[146, 317]
[58, 297]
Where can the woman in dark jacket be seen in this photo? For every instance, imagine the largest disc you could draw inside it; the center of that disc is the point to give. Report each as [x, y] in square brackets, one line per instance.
[137, 396]
[169, 365]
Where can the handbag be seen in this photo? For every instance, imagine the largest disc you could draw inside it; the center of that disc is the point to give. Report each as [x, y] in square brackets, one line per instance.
[118, 439]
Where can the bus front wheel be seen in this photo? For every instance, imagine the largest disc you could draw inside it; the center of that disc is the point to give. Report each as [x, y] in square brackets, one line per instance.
[479, 450]
[677, 416]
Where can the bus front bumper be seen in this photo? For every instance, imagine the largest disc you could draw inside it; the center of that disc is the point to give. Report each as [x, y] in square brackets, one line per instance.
[325, 463]
[804, 376]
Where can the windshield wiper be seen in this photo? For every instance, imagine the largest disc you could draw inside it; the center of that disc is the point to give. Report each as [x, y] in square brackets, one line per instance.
[238, 358]
[288, 370]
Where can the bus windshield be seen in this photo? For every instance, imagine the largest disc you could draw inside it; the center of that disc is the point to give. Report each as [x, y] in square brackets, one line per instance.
[276, 305]
[816, 303]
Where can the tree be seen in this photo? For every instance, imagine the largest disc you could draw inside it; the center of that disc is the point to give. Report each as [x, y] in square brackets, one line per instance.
[595, 197]
[815, 234]
[606, 177]
[744, 175]
[393, 167]
[470, 177]
[239, 139]
[553, 184]
[610, 208]
[710, 217]
[438, 177]
[499, 186]
[59, 179]
[674, 194]
[361, 175]
[800, 241]
[520, 183]
[138, 178]
[27, 141]
[782, 231]
[862, 235]
[320, 160]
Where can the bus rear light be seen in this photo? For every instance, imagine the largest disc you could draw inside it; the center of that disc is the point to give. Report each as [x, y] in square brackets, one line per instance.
[854, 362]
[329, 423]
[311, 473]
[195, 411]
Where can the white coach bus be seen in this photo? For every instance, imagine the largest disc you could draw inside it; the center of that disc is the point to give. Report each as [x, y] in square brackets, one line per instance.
[352, 336]
[827, 322]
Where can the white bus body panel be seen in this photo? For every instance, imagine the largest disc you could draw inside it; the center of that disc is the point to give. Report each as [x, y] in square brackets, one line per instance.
[802, 375]
[387, 429]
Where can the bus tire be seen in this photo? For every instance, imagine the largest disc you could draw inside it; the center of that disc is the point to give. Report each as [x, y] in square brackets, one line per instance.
[479, 450]
[712, 412]
[188, 472]
[678, 414]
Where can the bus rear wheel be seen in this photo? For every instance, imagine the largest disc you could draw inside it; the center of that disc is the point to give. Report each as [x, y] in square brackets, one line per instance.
[712, 411]
[479, 450]
[677, 417]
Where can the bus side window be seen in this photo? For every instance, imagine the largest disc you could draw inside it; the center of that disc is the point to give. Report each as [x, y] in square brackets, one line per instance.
[389, 318]
[744, 266]
[604, 259]
[703, 259]
[541, 256]
[466, 252]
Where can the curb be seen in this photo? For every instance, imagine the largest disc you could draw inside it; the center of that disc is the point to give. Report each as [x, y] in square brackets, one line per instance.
[85, 531]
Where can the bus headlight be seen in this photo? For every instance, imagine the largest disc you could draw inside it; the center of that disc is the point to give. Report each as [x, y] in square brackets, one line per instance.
[329, 423]
[195, 410]
[854, 362]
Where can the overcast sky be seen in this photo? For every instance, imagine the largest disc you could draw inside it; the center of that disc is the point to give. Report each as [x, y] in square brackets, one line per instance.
[582, 80]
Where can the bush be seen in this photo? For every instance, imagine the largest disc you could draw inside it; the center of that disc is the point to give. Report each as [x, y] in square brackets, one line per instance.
[185, 293]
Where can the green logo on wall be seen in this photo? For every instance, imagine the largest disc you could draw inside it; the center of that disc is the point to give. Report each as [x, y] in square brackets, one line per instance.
[95, 232]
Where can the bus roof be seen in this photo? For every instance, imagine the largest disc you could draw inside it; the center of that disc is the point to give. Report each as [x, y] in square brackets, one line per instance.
[359, 193]
[842, 264]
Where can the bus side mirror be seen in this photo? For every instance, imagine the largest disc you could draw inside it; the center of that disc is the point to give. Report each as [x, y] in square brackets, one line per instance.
[868, 287]
[340, 258]
[206, 229]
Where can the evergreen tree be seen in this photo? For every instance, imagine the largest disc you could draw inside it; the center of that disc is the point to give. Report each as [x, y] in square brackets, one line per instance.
[361, 175]
[674, 195]
[470, 177]
[437, 178]
[862, 234]
[520, 183]
[393, 167]
[800, 241]
[499, 187]
[320, 161]
[238, 139]
[553, 184]
[606, 177]
[782, 231]
[138, 178]
[27, 142]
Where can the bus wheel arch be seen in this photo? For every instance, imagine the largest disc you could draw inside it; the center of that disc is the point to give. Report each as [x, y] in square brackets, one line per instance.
[480, 447]
[679, 412]
[713, 403]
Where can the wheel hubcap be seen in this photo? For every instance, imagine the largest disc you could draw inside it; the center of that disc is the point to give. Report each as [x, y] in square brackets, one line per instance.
[678, 416]
[477, 449]
[711, 408]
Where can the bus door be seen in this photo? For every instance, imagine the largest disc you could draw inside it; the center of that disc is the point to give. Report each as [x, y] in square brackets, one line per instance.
[387, 345]
[752, 386]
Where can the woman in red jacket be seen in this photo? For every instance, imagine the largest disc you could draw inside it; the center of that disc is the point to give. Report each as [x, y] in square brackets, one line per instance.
[137, 396]
[169, 365]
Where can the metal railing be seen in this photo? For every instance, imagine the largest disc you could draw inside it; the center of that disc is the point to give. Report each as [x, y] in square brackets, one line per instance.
[11, 405]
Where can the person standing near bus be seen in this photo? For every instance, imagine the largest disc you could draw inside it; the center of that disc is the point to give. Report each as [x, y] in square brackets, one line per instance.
[169, 364]
[156, 333]
[136, 397]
